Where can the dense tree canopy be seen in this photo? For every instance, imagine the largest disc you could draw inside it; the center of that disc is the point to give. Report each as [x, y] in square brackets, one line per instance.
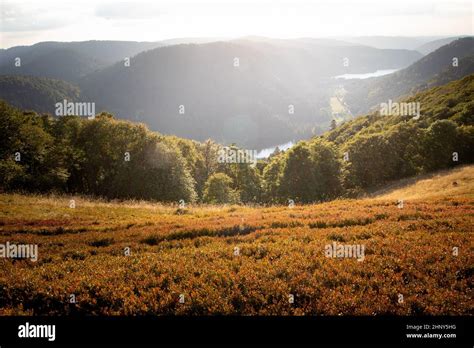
[120, 159]
[218, 190]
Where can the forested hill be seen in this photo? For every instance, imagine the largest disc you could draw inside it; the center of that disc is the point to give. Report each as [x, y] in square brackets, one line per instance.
[68, 61]
[452, 101]
[255, 92]
[36, 93]
[120, 159]
[234, 92]
[372, 150]
[453, 61]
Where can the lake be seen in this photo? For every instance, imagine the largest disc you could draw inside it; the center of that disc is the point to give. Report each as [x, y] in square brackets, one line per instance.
[366, 75]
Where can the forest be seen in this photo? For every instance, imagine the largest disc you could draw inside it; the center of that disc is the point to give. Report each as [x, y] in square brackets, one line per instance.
[117, 159]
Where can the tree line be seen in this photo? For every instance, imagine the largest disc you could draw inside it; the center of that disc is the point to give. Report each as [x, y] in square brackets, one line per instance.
[118, 159]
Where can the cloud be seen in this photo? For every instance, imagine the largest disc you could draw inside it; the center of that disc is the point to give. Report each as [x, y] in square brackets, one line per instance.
[16, 18]
[128, 10]
[30, 21]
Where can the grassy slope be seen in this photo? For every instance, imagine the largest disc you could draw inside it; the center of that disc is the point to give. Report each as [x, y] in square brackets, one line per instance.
[458, 182]
[409, 251]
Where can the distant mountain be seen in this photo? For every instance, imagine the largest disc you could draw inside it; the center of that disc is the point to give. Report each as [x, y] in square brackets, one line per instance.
[390, 42]
[332, 54]
[254, 91]
[296, 42]
[34, 93]
[431, 46]
[465, 68]
[362, 95]
[190, 40]
[68, 60]
[248, 104]
[63, 64]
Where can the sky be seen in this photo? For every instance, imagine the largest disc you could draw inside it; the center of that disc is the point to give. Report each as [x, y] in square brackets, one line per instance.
[28, 22]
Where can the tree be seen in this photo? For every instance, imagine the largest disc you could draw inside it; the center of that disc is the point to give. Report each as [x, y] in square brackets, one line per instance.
[27, 152]
[371, 161]
[311, 172]
[218, 189]
[326, 168]
[440, 141]
[271, 180]
[297, 177]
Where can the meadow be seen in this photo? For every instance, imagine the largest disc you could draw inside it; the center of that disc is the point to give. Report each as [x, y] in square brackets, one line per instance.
[142, 258]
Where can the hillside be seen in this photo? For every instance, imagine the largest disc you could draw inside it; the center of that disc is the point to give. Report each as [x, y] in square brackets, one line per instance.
[465, 68]
[246, 104]
[68, 61]
[366, 94]
[132, 222]
[390, 42]
[458, 182]
[74, 154]
[452, 101]
[431, 46]
[35, 93]
[234, 260]
[370, 151]
[62, 64]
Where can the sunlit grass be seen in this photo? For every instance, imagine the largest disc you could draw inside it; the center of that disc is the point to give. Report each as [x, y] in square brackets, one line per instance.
[192, 251]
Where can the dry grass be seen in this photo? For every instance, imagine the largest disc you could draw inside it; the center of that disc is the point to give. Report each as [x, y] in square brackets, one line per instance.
[448, 183]
[408, 251]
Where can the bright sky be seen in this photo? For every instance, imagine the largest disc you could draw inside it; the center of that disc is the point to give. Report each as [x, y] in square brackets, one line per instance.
[28, 22]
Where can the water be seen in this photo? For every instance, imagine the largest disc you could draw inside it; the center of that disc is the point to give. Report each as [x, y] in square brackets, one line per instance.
[268, 151]
[367, 75]
[265, 153]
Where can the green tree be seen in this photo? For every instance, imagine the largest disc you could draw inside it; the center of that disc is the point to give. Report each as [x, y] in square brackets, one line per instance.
[271, 180]
[326, 169]
[297, 177]
[371, 161]
[27, 152]
[218, 189]
[311, 172]
[440, 141]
